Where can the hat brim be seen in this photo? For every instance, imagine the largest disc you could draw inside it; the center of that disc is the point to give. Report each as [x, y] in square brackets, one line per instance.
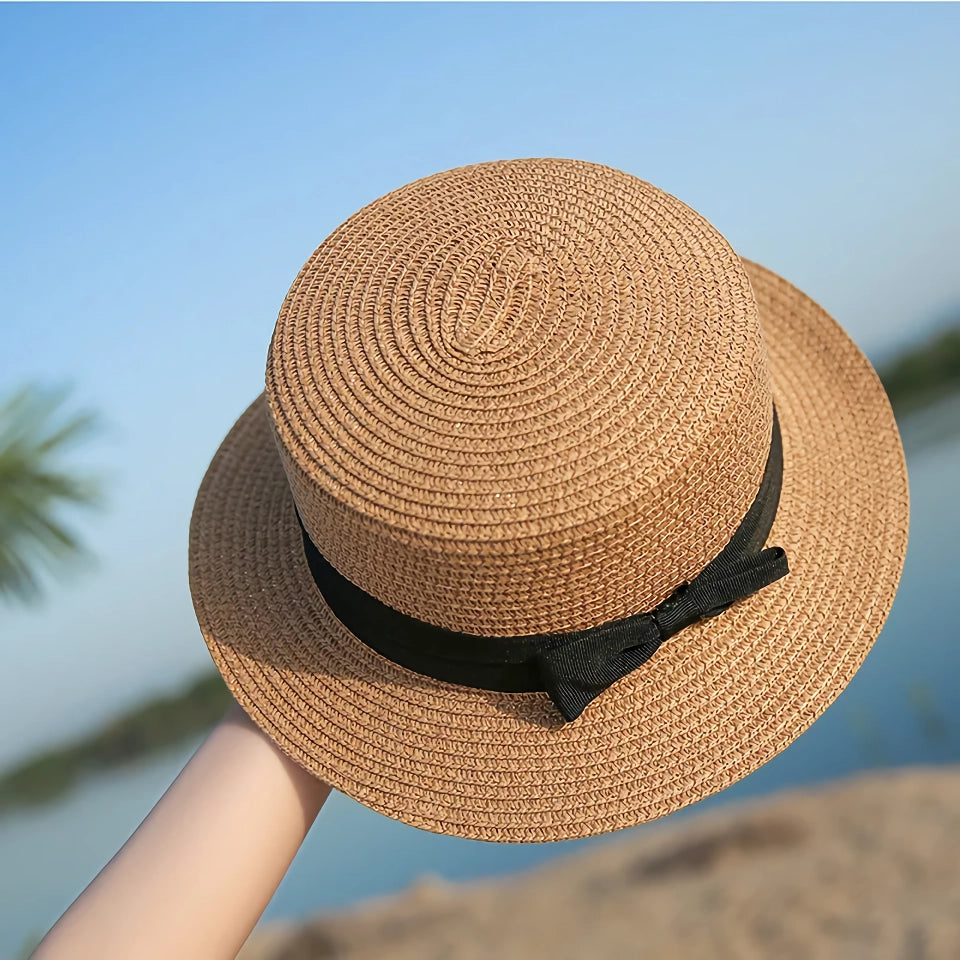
[714, 704]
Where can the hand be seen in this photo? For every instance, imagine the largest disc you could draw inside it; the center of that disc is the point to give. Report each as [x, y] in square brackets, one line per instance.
[199, 871]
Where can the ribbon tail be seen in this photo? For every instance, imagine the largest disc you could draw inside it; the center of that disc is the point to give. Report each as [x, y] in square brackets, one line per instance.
[576, 673]
[570, 698]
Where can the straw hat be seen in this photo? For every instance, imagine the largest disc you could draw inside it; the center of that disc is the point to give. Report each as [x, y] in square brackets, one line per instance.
[503, 549]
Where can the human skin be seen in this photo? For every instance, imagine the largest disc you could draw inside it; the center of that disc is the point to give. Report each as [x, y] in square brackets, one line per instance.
[196, 875]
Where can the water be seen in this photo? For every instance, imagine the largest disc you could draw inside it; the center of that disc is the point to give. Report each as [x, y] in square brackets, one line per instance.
[901, 708]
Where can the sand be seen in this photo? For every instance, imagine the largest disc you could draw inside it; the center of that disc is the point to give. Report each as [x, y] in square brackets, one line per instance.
[866, 868]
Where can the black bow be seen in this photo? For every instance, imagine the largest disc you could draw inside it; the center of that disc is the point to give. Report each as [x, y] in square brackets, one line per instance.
[587, 663]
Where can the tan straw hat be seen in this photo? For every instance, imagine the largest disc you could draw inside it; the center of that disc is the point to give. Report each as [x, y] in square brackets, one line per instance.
[489, 553]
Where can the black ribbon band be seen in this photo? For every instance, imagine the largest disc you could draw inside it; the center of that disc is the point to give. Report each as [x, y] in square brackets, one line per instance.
[573, 668]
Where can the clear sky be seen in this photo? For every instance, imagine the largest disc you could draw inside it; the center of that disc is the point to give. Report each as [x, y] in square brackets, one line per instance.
[166, 169]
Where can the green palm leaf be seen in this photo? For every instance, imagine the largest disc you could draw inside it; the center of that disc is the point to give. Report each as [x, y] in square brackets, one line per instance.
[35, 488]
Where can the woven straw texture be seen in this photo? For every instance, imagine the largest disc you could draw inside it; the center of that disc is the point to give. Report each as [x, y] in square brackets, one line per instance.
[530, 396]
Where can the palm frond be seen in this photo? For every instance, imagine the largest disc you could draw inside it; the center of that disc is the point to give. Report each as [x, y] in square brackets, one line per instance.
[35, 487]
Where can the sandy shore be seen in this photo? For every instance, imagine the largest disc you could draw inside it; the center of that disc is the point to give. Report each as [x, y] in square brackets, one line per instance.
[867, 868]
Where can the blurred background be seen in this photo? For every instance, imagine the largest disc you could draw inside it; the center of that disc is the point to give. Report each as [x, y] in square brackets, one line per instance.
[165, 171]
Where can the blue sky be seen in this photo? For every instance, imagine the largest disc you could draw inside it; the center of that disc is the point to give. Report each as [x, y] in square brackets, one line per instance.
[166, 170]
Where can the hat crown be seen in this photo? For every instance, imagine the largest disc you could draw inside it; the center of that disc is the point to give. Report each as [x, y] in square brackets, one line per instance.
[522, 396]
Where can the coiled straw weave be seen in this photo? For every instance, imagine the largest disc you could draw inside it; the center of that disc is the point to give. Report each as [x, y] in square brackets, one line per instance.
[533, 396]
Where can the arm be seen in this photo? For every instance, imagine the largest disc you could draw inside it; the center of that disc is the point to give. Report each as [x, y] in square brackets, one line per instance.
[196, 875]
